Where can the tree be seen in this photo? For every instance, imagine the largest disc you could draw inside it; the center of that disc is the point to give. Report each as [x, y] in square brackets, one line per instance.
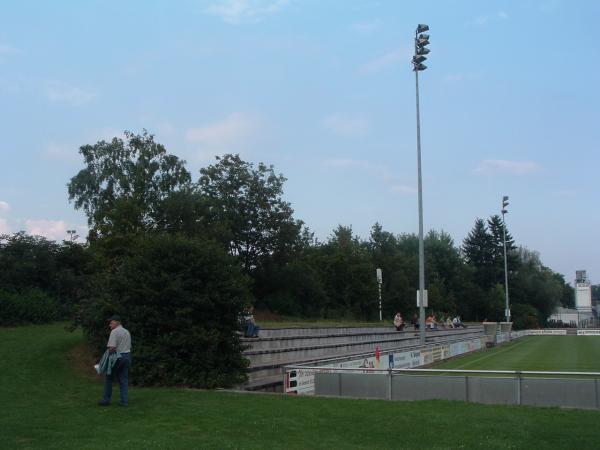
[478, 250]
[124, 182]
[595, 294]
[248, 205]
[496, 231]
[535, 286]
[180, 298]
[397, 267]
[348, 276]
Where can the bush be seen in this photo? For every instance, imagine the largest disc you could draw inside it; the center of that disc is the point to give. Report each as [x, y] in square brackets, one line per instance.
[180, 298]
[30, 306]
[525, 317]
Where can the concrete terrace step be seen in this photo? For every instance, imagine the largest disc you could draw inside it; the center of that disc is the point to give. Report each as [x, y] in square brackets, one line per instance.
[330, 336]
[291, 355]
[266, 366]
[320, 331]
[278, 343]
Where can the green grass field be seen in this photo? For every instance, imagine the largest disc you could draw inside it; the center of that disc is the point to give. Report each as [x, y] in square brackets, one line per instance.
[49, 400]
[544, 353]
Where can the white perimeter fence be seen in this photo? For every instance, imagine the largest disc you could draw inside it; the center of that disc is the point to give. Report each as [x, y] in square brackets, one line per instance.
[505, 387]
[300, 379]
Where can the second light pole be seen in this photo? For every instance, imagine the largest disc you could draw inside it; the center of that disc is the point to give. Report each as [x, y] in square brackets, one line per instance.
[421, 41]
[505, 211]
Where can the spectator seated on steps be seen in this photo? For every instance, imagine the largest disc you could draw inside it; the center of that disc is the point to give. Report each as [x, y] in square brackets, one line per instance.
[399, 322]
[252, 329]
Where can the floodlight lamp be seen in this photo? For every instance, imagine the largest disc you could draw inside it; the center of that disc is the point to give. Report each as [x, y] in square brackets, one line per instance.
[417, 59]
[504, 211]
[505, 198]
[422, 42]
[422, 51]
[422, 27]
[420, 67]
[424, 36]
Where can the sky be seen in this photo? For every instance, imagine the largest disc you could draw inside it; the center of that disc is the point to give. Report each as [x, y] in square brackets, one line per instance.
[323, 91]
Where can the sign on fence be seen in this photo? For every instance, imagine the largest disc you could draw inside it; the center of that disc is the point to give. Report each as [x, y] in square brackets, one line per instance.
[588, 332]
[546, 332]
[302, 381]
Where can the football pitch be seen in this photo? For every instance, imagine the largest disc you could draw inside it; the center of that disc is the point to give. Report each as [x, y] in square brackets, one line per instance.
[536, 353]
[48, 399]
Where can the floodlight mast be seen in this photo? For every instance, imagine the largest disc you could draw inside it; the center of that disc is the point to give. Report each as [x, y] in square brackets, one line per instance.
[421, 41]
[505, 211]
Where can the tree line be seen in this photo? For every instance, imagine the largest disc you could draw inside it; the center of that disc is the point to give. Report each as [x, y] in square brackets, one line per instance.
[179, 258]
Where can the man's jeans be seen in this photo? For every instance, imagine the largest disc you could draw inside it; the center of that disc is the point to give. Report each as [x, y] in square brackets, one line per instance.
[121, 373]
[252, 330]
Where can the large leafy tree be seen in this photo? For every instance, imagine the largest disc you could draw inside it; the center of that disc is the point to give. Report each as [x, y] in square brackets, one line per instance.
[247, 204]
[399, 266]
[124, 182]
[181, 300]
[348, 276]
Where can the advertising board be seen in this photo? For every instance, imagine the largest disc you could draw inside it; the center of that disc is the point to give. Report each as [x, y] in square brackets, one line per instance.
[302, 381]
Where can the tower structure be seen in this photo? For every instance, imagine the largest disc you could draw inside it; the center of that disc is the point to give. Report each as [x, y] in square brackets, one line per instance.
[583, 292]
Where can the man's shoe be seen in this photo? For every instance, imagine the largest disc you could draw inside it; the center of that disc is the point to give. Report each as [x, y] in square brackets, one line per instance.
[103, 403]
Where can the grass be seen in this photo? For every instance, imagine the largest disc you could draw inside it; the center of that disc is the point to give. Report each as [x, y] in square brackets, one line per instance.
[543, 353]
[49, 402]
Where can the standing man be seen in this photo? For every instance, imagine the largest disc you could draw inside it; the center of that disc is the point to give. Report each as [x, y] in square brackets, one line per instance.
[119, 342]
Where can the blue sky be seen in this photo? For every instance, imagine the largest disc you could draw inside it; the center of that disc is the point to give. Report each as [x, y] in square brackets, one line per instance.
[324, 91]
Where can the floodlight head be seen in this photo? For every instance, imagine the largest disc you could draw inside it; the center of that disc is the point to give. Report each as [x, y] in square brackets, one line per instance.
[505, 198]
[418, 59]
[504, 211]
[424, 36]
[422, 42]
[422, 27]
[422, 51]
[420, 67]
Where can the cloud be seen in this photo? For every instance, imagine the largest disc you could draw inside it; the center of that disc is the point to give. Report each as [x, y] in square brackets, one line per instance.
[403, 189]
[244, 11]
[480, 20]
[55, 230]
[61, 152]
[233, 134]
[346, 126]
[376, 171]
[366, 27]
[567, 192]
[9, 87]
[4, 228]
[459, 77]
[501, 166]
[61, 92]
[549, 6]
[7, 50]
[104, 134]
[233, 130]
[484, 20]
[4, 207]
[388, 59]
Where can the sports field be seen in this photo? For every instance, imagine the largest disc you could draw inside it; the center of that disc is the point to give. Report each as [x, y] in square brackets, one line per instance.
[49, 396]
[546, 353]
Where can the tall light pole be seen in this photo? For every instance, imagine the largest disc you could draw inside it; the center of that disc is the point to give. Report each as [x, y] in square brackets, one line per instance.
[379, 282]
[421, 41]
[504, 211]
[72, 234]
